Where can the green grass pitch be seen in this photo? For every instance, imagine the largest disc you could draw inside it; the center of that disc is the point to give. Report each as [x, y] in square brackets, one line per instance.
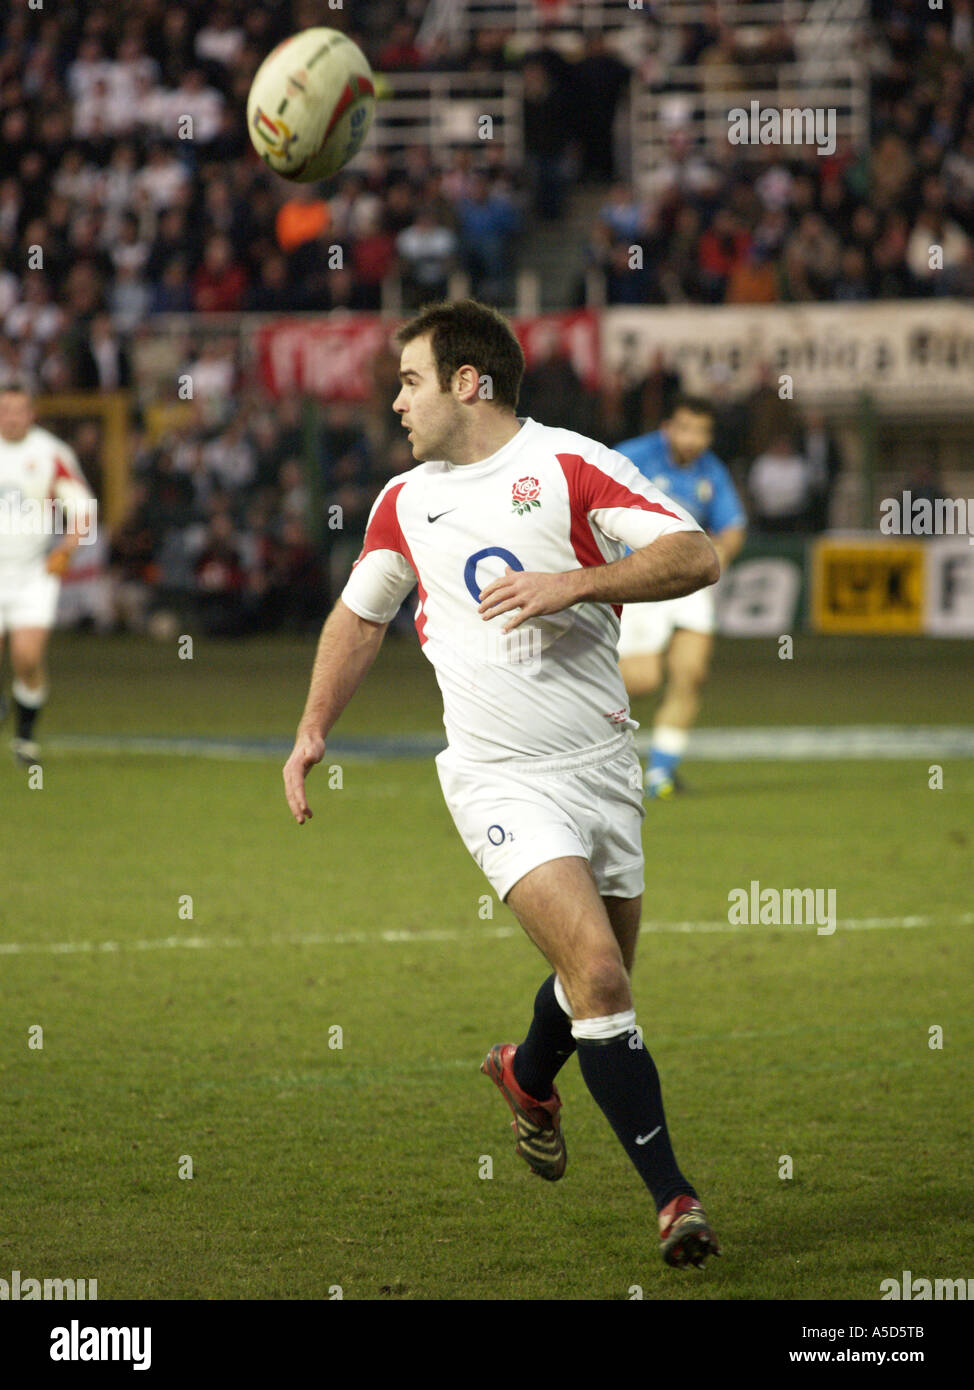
[362, 1166]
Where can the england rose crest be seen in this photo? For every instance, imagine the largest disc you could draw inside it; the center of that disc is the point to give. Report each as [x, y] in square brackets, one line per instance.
[525, 494]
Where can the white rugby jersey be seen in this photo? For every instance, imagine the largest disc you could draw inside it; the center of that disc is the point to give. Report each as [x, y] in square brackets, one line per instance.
[549, 500]
[34, 471]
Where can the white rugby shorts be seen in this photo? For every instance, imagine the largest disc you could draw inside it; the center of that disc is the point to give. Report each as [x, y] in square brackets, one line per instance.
[513, 816]
[648, 627]
[28, 598]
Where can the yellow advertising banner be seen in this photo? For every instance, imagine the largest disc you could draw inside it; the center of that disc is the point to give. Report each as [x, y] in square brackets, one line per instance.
[864, 586]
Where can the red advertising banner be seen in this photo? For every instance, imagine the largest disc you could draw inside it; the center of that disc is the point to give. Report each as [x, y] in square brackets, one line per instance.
[331, 358]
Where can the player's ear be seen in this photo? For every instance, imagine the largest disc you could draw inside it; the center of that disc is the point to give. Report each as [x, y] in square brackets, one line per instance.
[467, 382]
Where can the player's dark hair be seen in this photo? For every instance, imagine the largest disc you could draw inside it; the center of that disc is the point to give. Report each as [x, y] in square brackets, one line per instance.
[469, 333]
[696, 405]
[16, 385]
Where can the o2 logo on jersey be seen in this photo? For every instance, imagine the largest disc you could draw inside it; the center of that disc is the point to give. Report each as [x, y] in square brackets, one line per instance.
[523, 646]
[470, 568]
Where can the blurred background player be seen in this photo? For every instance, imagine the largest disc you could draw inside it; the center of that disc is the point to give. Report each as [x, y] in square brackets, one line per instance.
[678, 459]
[36, 470]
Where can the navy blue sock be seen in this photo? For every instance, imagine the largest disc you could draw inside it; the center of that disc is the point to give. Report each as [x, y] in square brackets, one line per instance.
[25, 719]
[625, 1085]
[547, 1047]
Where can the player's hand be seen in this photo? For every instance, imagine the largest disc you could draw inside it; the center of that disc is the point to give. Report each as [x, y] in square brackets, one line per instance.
[534, 594]
[308, 750]
[58, 561]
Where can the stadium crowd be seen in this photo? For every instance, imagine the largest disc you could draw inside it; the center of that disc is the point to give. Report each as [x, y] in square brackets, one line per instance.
[108, 218]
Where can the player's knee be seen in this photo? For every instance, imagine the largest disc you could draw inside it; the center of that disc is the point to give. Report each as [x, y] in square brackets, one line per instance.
[600, 985]
[688, 680]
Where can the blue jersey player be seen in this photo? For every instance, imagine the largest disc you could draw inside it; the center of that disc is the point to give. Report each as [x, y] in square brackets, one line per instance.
[679, 461]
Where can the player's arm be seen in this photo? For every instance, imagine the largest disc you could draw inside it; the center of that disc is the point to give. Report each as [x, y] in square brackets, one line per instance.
[669, 567]
[728, 544]
[347, 648]
[59, 558]
[726, 522]
[80, 510]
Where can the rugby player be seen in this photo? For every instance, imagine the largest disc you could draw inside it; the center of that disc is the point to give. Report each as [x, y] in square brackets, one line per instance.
[43, 495]
[678, 459]
[515, 535]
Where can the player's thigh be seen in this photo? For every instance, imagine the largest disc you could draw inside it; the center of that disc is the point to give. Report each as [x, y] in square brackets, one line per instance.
[28, 648]
[624, 916]
[642, 674]
[559, 906]
[688, 658]
[644, 630]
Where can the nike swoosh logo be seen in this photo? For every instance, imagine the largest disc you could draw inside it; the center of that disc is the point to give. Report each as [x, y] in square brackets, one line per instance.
[439, 514]
[645, 1138]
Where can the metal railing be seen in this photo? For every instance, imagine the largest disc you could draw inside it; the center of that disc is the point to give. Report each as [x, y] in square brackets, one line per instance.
[700, 102]
[444, 111]
[451, 18]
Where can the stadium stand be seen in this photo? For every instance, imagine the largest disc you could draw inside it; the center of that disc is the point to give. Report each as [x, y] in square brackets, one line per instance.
[608, 134]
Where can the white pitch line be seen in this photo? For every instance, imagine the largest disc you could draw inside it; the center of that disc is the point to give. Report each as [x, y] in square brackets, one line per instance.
[962, 919]
[391, 937]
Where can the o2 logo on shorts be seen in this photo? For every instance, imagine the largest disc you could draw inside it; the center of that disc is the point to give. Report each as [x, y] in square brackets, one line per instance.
[496, 834]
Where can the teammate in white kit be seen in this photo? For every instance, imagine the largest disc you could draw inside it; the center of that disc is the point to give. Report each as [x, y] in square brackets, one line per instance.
[515, 534]
[45, 510]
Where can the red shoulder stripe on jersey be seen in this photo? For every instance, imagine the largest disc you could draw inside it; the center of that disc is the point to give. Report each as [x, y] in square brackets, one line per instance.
[385, 533]
[588, 488]
[61, 470]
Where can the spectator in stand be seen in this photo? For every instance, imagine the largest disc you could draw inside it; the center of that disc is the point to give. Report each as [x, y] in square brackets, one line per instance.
[598, 82]
[401, 53]
[105, 363]
[624, 213]
[373, 257]
[723, 247]
[489, 224]
[302, 218]
[816, 249]
[819, 448]
[646, 403]
[936, 248]
[853, 282]
[271, 292]
[132, 553]
[630, 276]
[163, 176]
[220, 283]
[552, 391]
[221, 39]
[548, 122]
[753, 281]
[782, 488]
[427, 254]
[220, 579]
[285, 581]
[173, 294]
